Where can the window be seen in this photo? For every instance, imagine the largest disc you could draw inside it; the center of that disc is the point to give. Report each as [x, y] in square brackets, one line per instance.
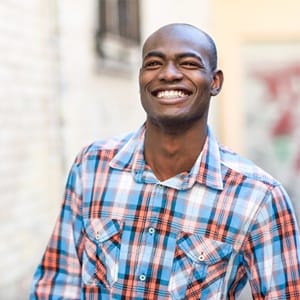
[118, 35]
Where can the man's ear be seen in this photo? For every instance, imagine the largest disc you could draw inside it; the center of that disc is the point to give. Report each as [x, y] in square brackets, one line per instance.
[217, 83]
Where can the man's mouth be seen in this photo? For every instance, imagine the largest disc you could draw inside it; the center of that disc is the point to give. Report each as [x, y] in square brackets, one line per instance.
[171, 94]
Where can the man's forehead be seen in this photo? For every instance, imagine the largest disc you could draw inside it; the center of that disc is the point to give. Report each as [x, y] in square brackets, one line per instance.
[175, 34]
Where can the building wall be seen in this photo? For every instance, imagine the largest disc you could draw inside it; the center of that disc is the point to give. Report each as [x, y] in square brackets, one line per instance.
[30, 156]
[96, 101]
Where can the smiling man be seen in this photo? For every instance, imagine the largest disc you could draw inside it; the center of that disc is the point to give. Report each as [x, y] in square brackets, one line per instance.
[166, 212]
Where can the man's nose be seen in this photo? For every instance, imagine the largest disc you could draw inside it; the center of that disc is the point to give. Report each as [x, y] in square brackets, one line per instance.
[170, 72]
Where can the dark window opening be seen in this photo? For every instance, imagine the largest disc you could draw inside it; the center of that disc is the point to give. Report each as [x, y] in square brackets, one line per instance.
[118, 31]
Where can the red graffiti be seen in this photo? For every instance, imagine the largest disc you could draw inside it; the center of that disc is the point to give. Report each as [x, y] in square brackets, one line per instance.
[282, 87]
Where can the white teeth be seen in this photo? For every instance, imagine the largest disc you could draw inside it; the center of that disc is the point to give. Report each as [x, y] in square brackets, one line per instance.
[171, 94]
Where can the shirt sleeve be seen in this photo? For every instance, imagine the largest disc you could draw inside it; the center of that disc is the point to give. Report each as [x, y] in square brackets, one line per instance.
[59, 274]
[272, 250]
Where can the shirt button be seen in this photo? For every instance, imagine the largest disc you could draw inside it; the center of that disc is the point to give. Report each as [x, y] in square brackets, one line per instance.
[201, 257]
[142, 277]
[97, 236]
[151, 230]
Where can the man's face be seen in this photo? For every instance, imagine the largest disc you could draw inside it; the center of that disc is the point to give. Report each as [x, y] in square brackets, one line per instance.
[176, 80]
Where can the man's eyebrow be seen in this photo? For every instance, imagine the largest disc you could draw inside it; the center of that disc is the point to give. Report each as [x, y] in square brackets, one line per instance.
[154, 53]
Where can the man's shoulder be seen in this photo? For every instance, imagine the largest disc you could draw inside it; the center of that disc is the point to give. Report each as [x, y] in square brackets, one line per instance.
[109, 144]
[241, 165]
[104, 147]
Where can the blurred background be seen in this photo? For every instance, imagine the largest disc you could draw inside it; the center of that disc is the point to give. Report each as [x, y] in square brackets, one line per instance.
[68, 76]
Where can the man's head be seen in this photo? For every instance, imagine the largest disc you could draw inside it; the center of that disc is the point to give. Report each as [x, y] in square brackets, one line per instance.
[179, 74]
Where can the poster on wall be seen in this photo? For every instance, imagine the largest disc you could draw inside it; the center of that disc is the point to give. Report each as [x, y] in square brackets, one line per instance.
[271, 97]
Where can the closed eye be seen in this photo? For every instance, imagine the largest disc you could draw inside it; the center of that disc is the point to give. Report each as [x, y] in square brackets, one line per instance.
[153, 64]
[191, 64]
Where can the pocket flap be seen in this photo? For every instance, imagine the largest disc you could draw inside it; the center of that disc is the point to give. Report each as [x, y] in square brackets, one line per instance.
[100, 230]
[203, 250]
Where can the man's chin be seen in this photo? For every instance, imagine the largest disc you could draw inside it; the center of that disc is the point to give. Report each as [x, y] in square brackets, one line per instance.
[172, 124]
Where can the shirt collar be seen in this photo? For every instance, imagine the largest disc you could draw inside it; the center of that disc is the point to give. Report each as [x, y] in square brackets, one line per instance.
[206, 170]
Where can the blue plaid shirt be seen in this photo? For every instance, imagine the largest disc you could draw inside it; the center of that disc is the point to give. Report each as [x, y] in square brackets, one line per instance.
[123, 234]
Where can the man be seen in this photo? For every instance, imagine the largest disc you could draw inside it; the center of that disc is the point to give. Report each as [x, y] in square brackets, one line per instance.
[166, 212]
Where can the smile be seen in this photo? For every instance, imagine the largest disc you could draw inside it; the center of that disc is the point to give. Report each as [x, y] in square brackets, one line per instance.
[171, 94]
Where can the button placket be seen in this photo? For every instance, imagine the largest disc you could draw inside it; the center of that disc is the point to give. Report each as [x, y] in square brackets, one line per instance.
[149, 233]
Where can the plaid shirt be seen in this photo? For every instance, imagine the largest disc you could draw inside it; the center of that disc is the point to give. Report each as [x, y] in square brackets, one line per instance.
[123, 234]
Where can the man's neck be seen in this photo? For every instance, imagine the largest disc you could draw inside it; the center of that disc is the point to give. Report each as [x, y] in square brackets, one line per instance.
[170, 153]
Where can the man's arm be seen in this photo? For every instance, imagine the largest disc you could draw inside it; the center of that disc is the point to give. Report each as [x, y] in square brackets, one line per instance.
[59, 274]
[272, 250]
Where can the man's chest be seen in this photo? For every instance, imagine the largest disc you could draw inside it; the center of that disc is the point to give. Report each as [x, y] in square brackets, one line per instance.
[155, 240]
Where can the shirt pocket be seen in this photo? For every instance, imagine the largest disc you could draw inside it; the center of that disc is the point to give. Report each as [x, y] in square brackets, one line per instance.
[198, 263]
[101, 253]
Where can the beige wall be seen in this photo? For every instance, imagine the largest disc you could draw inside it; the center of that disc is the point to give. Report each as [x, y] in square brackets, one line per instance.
[233, 24]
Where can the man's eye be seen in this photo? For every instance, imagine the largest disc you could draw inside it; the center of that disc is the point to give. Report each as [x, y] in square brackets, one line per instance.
[191, 64]
[152, 64]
